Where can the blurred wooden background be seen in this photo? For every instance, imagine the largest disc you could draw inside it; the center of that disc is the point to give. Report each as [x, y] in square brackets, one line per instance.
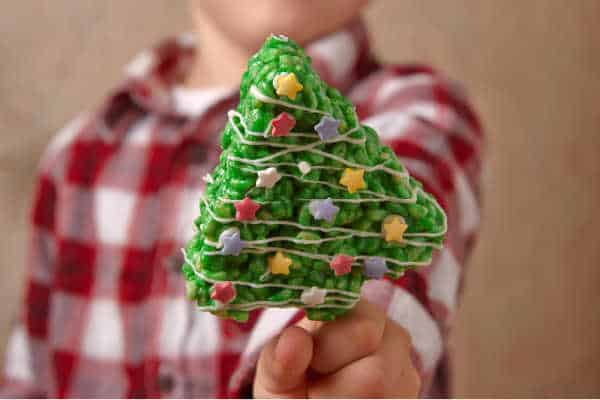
[530, 324]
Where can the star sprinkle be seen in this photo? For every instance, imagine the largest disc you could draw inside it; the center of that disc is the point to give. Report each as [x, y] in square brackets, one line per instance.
[246, 209]
[231, 242]
[375, 267]
[208, 178]
[223, 292]
[353, 179]
[313, 296]
[323, 209]
[327, 128]
[279, 264]
[341, 264]
[267, 178]
[282, 124]
[287, 85]
[393, 228]
[281, 38]
[304, 167]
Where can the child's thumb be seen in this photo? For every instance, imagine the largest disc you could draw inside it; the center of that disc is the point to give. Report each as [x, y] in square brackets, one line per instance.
[283, 362]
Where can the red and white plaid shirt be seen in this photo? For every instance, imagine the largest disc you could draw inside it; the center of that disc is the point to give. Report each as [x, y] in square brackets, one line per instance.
[104, 311]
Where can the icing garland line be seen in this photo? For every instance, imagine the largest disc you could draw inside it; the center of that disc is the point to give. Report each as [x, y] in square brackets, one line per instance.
[318, 241]
[310, 147]
[364, 200]
[284, 239]
[321, 257]
[265, 303]
[367, 168]
[258, 95]
[344, 137]
[378, 167]
[314, 228]
[287, 164]
[379, 196]
[264, 285]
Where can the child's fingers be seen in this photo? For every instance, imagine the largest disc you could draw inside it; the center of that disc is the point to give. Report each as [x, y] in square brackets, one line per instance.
[403, 379]
[364, 378]
[283, 363]
[347, 339]
[386, 373]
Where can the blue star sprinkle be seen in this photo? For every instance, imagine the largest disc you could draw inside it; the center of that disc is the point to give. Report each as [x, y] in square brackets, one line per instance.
[323, 209]
[232, 244]
[327, 128]
[375, 267]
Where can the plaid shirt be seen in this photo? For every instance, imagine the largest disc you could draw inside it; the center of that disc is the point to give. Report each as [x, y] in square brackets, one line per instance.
[104, 311]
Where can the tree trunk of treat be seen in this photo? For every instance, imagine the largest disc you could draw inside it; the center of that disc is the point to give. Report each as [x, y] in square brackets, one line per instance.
[305, 203]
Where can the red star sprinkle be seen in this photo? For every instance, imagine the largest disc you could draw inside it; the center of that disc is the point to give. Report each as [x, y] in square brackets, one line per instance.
[246, 209]
[223, 292]
[282, 124]
[341, 264]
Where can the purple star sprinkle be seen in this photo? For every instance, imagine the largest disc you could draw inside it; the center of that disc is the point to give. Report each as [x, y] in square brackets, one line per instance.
[327, 128]
[375, 267]
[323, 209]
[232, 244]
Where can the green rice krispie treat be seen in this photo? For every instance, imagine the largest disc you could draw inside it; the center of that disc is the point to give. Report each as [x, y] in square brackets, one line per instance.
[306, 203]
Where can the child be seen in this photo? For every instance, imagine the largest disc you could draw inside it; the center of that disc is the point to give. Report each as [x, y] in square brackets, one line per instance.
[105, 313]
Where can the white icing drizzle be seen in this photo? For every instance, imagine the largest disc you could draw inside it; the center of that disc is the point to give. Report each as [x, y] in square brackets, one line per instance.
[354, 232]
[284, 239]
[282, 164]
[378, 196]
[258, 95]
[379, 167]
[339, 138]
[289, 303]
[310, 147]
[280, 37]
[264, 276]
[322, 257]
[264, 285]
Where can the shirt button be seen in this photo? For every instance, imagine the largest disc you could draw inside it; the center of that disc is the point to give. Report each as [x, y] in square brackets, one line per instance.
[166, 383]
[196, 154]
[175, 261]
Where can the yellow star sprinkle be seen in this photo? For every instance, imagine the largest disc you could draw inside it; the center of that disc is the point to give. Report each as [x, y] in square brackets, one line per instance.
[279, 264]
[287, 85]
[394, 227]
[353, 179]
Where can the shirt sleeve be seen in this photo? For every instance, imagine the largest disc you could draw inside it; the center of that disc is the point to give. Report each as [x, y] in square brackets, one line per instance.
[29, 364]
[26, 354]
[428, 122]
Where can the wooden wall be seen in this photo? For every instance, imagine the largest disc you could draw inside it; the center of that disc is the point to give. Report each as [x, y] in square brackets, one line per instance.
[529, 323]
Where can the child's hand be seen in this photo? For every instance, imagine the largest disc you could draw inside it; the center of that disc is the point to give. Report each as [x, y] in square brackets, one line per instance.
[362, 354]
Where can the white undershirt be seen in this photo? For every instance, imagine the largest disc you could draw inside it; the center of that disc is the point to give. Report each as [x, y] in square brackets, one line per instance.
[193, 102]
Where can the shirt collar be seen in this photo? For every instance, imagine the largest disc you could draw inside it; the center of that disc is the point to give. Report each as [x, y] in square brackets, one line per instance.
[153, 75]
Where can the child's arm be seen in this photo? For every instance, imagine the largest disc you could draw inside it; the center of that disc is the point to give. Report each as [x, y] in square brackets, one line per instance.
[431, 126]
[27, 353]
[437, 136]
[29, 358]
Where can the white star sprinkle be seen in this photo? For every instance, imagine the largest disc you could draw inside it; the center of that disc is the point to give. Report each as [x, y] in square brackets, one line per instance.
[207, 178]
[313, 296]
[268, 177]
[304, 167]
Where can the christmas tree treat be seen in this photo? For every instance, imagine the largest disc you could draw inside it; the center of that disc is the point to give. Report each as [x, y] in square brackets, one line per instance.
[305, 203]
